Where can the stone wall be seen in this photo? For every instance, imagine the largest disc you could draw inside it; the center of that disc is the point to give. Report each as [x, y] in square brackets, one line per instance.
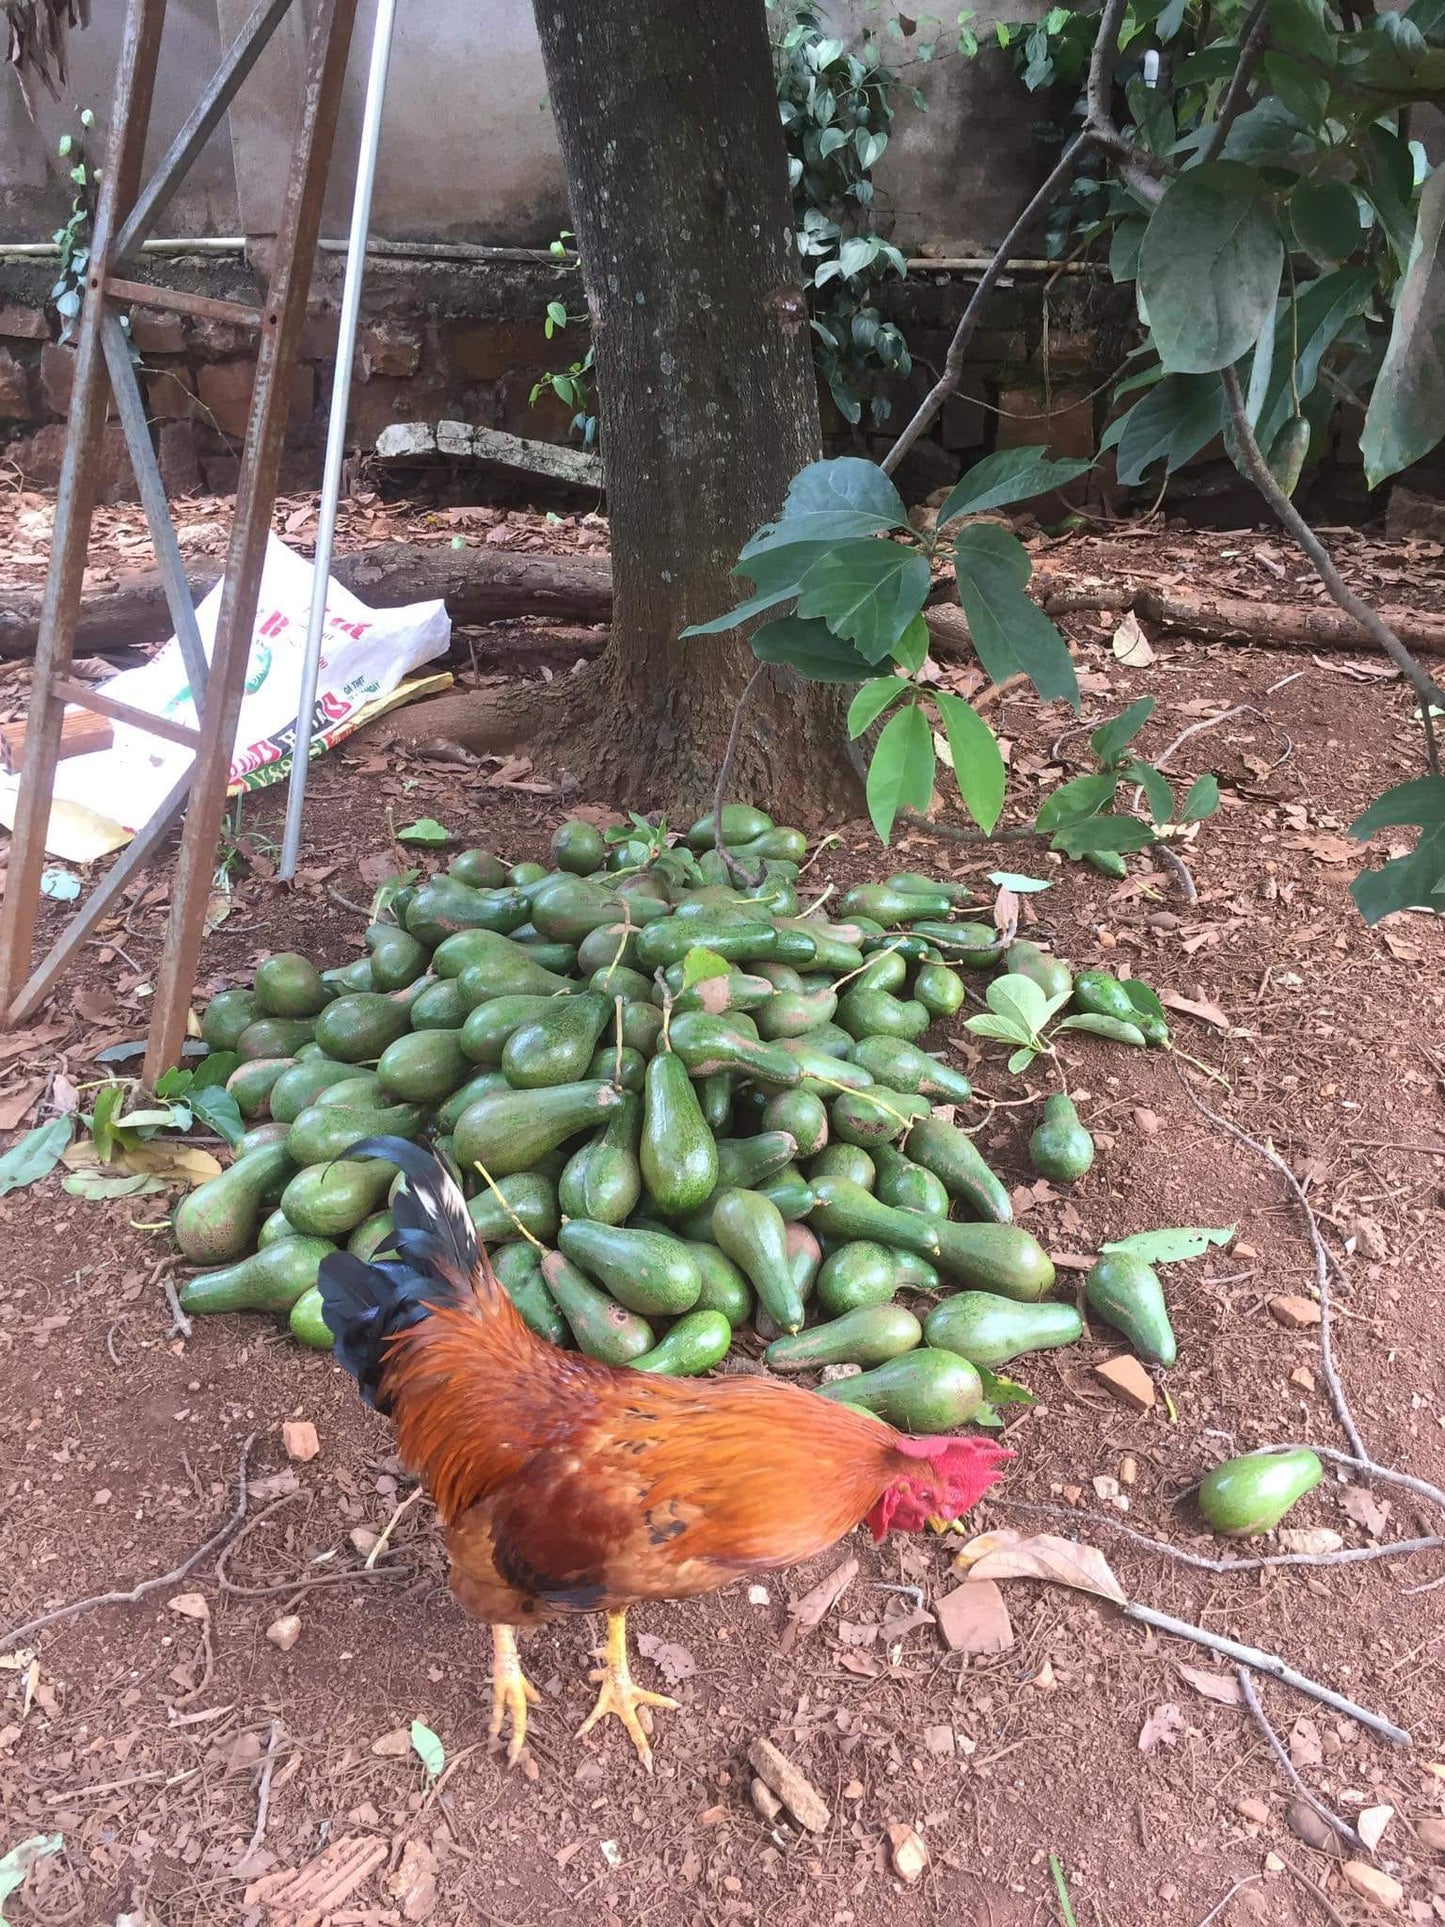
[464, 342]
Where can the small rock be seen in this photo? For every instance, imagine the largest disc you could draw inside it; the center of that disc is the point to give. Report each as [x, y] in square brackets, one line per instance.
[190, 1605]
[758, 1596]
[794, 1789]
[1370, 1240]
[1372, 1885]
[768, 1804]
[1148, 1122]
[1239, 1249]
[1372, 1823]
[1127, 1379]
[1253, 1810]
[1105, 1488]
[1128, 1470]
[909, 1854]
[394, 1745]
[298, 1436]
[1303, 1377]
[414, 1883]
[1295, 1314]
[974, 1619]
[283, 1633]
[939, 1741]
[1273, 1863]
[1312, 1540]
[1431, 1833]
[364, 1539]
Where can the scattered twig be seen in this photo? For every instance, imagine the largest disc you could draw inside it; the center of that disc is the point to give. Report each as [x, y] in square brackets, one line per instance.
[965, 833]
[139, 1591]
[1269, 1663]
[263, 1797]
[1225, 716]
[1313, 1887]
[1369, 618]
[1238, 1887]
[1322, 1265]
[736, 871]
[1346, 1556]
[1287, 1766]
[346, 903]
[384, 1537]
[180, 1324]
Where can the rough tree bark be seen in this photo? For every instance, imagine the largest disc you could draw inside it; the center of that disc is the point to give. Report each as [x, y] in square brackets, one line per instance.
[678, 184]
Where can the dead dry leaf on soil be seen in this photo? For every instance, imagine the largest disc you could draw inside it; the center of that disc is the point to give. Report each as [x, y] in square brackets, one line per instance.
[1200, 1007]
[1131, 646]
[1366, 1510]
[1223, 1687]
[809, 1611]
[1162, 1728]
[18, 1101]
[1304, 1743]
[671, 1659]
[1046, 1556]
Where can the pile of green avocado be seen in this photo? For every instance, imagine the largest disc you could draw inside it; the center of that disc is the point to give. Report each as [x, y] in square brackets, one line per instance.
[677, 1105]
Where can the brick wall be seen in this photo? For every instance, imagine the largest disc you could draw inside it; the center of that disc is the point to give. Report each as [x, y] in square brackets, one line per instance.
[464, 341]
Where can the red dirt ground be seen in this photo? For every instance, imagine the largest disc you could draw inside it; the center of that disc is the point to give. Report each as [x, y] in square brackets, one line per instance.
[141, 1733]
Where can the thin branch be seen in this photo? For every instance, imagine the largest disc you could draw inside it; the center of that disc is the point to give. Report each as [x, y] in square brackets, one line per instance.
[736, 873]
[947, 383]
[263, 1798]
[1277, 1747]
[1322, 1265]
[217, 1538]
[1251, 52]
[1346, 1556]
[1269, 1663]
[1369, 619]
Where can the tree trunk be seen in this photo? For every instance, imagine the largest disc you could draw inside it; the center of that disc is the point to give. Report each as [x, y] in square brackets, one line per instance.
[677, 176]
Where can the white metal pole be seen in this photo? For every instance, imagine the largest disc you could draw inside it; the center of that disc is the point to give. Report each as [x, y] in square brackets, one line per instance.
[336, 427]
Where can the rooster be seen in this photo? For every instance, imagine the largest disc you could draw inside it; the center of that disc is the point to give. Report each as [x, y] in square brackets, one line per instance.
[569, 1486]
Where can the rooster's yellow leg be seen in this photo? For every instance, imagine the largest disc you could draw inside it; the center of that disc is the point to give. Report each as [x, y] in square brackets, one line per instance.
[620, 1694]
[511, 1691]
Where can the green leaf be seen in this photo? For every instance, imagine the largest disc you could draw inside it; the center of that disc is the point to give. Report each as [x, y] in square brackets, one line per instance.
[97, 1188]
[1171, 423]
[809, 646]
[20, 1859]
[1020, 1000]
[1325, 217]
[1096, 1025]
[1076, 801]
[1104, 833]
[1156, 789]
[777, 576]
[871, 701]
[900, 775]
[1202, 800]
[1209, 267]
[1416, 881]
[700, 963]
[1009, 632]
[35, 1156]
[216, 1107]
[830, 502]
[1012, 475]
[1020, 885]
[1306, 329]
[1003, 1391]
[427, 833]
[984, 1413]
[1111, 739]
[1008, 1030]
[868, 591]
[910, 652]
[109, 1101]
[428, 1749]
[1173, 1244]
[1021, 1059]
[1406, 416]
[212, 1069]
[1124, 244]
[1144, 997]
[978, 765]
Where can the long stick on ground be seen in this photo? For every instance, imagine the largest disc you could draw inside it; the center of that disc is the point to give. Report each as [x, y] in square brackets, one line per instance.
[1276, 1746]
[217, 1538]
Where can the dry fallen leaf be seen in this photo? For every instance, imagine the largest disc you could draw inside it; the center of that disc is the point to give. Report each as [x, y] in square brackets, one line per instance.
[1366, 1510]
[671, 1659]
[1162, 1728]
[1131, 646]
[1061, 1562]
[1223, 1687]
[1206, 1012]
[809, 1611]
[1304, 1743]
[190, 1605]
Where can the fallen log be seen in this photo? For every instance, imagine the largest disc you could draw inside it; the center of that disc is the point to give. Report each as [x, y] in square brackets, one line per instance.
[478, 586]
[1269, 625]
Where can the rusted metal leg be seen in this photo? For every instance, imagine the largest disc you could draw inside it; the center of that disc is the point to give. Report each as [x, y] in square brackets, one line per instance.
[285, 310]
[74, 502]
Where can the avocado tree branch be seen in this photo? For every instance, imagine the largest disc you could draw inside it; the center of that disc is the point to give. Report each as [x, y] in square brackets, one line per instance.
[1236, 94]
[1369, 618]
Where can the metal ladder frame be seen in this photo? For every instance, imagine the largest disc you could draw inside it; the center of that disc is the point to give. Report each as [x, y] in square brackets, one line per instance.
[128, 210]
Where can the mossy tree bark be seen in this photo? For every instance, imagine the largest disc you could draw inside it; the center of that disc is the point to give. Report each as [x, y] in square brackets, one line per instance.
[678, 183]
